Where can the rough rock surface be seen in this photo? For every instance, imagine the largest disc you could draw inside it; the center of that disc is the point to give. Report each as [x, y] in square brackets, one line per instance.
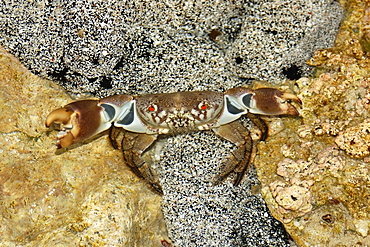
[319, 184]
[105, 47]
[149, 47]
[87, 196]
[79, 198]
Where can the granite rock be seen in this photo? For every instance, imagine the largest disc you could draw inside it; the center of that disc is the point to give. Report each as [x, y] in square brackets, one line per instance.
[128, 46]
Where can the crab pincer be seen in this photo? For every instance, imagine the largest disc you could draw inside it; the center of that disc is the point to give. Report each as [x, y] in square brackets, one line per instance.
[78, 121]
[270, 101]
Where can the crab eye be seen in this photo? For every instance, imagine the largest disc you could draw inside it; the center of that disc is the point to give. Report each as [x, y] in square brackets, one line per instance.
[152, 108]
[203, 106]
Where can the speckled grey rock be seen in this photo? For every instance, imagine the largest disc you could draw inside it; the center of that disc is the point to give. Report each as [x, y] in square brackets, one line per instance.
[200, 214]
[128, 46]
[140, 47]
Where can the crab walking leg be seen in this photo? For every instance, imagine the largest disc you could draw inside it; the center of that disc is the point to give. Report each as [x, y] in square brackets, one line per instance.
[240, 159]
[133, 145]
[261, 125]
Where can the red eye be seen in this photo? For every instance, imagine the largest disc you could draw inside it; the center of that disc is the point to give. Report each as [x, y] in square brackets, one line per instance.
[151, 108]
[203, 106]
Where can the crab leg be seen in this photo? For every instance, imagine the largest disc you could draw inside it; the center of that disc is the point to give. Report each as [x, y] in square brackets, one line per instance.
[133, 146]
[240, 101]
[261, 125]
[240, 159]
[83, 119]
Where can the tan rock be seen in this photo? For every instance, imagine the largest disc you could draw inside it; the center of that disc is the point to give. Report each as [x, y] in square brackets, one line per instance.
[355, 141]
[315, 174]
[85, 196]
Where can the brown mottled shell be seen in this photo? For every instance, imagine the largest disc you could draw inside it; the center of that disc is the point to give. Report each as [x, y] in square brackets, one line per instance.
[180, 112]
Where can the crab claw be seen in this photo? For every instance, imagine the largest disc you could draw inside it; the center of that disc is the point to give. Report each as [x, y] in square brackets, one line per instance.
[78, 121]
[270, 101]
[83, 119]
[264, 101]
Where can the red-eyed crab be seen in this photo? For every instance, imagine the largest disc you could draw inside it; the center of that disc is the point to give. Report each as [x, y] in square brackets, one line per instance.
[137, 121]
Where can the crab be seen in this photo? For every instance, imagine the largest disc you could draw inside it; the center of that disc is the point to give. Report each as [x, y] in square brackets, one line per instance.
[136, 122]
